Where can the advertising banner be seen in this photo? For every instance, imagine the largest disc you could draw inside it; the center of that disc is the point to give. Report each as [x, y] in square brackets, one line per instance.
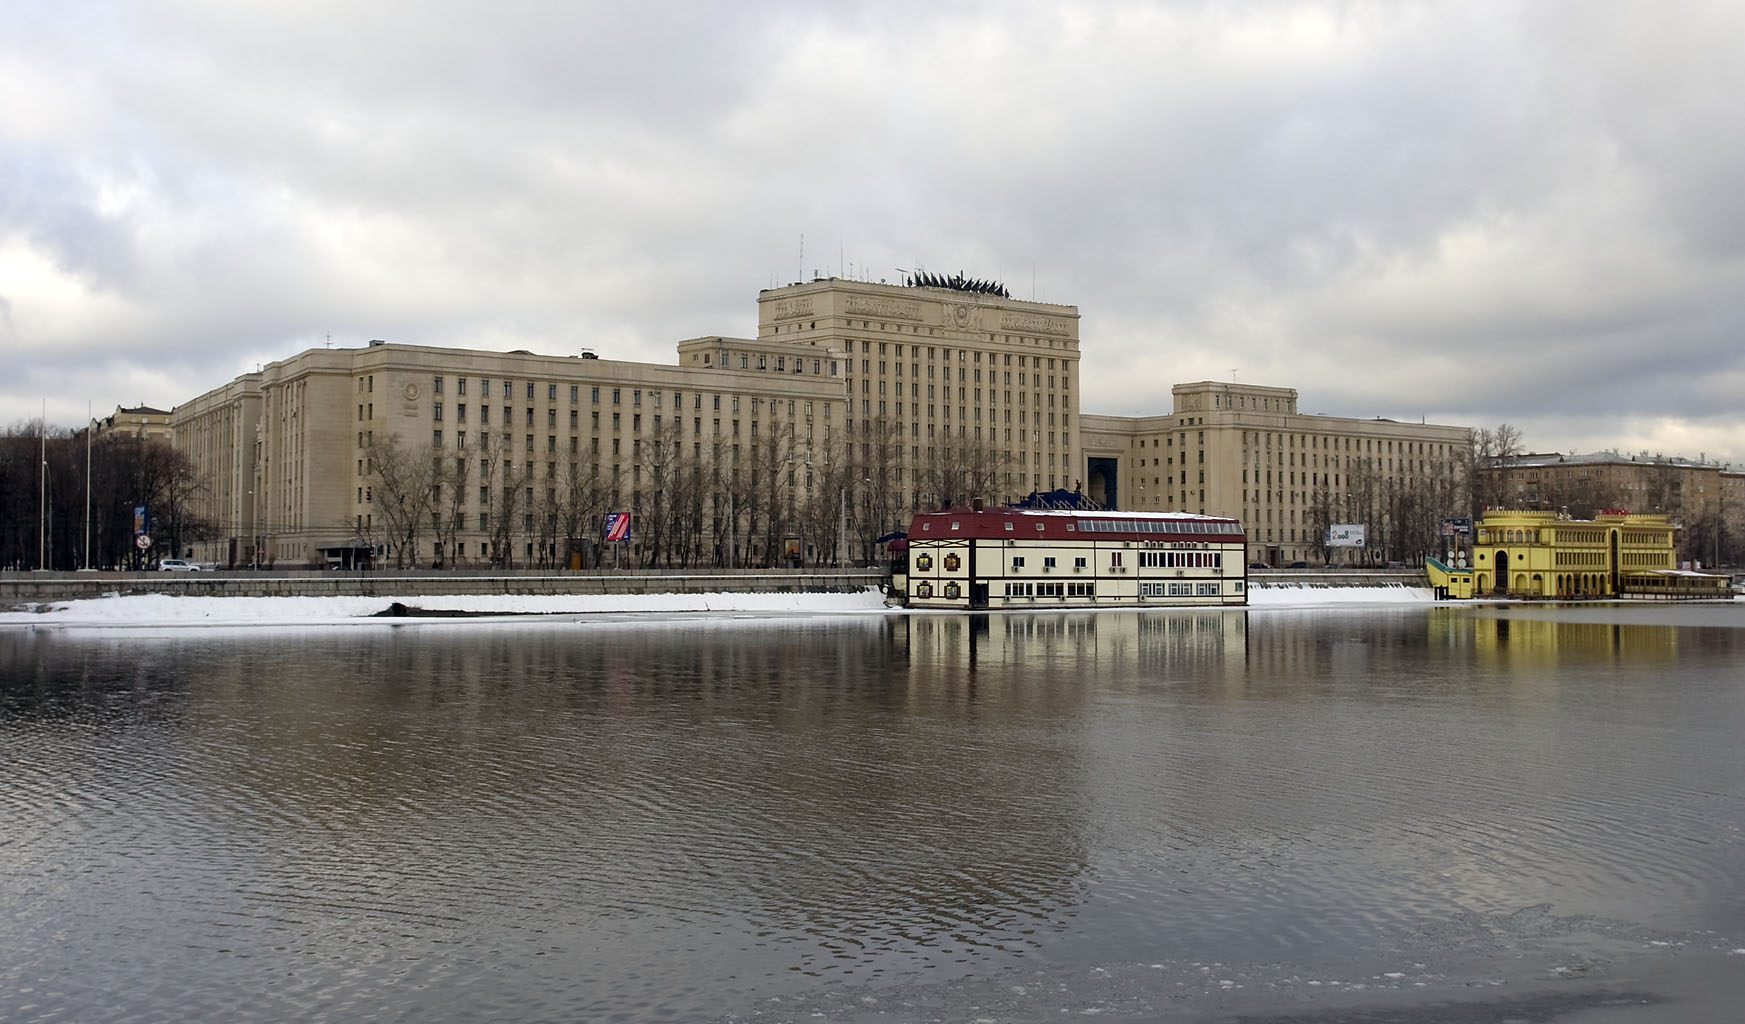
[617, 526]
[1345, 535]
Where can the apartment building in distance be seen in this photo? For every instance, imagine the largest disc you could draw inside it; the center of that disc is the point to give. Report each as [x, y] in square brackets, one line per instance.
[141, 421]
[1706, 500]
[1245, 451]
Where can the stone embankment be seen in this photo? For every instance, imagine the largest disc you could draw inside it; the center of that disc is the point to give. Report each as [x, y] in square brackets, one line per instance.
[21, 588]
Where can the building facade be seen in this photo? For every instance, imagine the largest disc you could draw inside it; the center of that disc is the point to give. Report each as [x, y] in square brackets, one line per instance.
[1244, 451]
[855, 405]
[141, 421]
[1705, 500]
[1543, 554]
[952, 392]
[976, 558]
[443, 456]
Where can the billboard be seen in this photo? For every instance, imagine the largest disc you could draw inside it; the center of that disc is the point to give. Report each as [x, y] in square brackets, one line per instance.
[1457, 527]
[1345, 535]
[617, 526]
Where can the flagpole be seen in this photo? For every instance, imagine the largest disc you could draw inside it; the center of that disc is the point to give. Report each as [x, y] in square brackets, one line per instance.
[42, 492]
[87, 483]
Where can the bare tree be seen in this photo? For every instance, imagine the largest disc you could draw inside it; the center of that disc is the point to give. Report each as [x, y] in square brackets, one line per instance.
[449, 479]
[403, 482]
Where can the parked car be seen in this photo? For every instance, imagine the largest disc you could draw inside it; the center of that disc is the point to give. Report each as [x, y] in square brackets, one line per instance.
[177, 565]
[1258, 565]
[1297, 565]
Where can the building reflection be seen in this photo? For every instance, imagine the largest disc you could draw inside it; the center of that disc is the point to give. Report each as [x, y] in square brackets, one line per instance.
[1121, 649]
[1508, 637]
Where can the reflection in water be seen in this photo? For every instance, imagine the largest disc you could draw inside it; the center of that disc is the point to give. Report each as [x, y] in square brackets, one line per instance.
[587, 819]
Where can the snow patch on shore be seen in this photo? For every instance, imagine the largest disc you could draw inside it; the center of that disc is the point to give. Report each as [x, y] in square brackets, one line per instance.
[1295, 595]
[167, 610]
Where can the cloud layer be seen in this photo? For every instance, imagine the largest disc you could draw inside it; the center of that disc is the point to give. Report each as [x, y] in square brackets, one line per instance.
[1474, 212]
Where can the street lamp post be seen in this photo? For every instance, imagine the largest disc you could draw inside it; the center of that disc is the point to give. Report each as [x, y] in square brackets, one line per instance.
[42, 543]
[842, 532]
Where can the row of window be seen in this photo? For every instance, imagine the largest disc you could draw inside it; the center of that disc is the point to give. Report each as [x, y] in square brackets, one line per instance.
[1085, 588]
[1181, 560]
[1184, 589]
[963, 355]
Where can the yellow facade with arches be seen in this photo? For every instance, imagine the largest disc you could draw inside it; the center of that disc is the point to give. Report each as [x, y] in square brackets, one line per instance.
[1522, 553]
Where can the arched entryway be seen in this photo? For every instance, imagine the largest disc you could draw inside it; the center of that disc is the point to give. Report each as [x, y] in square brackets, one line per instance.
[1502, 567]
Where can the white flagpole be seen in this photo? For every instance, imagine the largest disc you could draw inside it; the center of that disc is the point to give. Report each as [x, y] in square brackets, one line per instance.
[88, 433]
[42, 492]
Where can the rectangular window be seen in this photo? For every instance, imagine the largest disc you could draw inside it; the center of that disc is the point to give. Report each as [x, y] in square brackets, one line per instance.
[436, 386]
[436, 412]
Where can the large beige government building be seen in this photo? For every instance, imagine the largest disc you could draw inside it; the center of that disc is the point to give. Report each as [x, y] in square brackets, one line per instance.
[1246, 452]
[855, 405]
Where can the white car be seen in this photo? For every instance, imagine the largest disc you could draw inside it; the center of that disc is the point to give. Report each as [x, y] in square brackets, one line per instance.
[177, 565]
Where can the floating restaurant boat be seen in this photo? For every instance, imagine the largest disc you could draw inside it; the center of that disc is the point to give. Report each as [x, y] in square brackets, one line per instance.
[978, 558]
[1539, 554]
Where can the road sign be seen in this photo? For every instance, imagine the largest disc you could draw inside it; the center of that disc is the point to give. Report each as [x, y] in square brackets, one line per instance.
[143, 542]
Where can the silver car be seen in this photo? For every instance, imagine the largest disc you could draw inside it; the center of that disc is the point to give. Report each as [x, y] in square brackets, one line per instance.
[177, 565]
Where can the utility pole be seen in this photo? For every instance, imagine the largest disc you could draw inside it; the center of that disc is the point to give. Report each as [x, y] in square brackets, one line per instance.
[88, 433]
[42, 491]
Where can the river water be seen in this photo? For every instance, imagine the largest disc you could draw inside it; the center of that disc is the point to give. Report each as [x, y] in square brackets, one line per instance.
[1178, 814]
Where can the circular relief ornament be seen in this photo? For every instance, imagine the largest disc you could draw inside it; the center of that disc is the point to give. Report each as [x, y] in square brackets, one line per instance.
[960, 314]
[410, 391]
[952, 562]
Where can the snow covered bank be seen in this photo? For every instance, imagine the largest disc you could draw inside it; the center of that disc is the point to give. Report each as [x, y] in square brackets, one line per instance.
[1292, 595]
[168, 611]
[165, 610]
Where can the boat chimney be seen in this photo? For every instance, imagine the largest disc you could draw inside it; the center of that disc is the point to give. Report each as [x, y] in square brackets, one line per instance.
[975, 504]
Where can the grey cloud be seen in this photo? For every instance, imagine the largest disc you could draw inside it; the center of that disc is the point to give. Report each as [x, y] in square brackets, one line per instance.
[1386, 206]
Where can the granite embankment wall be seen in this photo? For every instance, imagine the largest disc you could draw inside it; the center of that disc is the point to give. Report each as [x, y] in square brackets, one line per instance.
[19, 588]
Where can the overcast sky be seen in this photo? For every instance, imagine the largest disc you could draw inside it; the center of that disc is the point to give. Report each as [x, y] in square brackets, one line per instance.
[1469, 212]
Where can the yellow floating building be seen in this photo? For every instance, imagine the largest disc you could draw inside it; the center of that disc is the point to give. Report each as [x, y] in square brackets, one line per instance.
[1520, 553]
